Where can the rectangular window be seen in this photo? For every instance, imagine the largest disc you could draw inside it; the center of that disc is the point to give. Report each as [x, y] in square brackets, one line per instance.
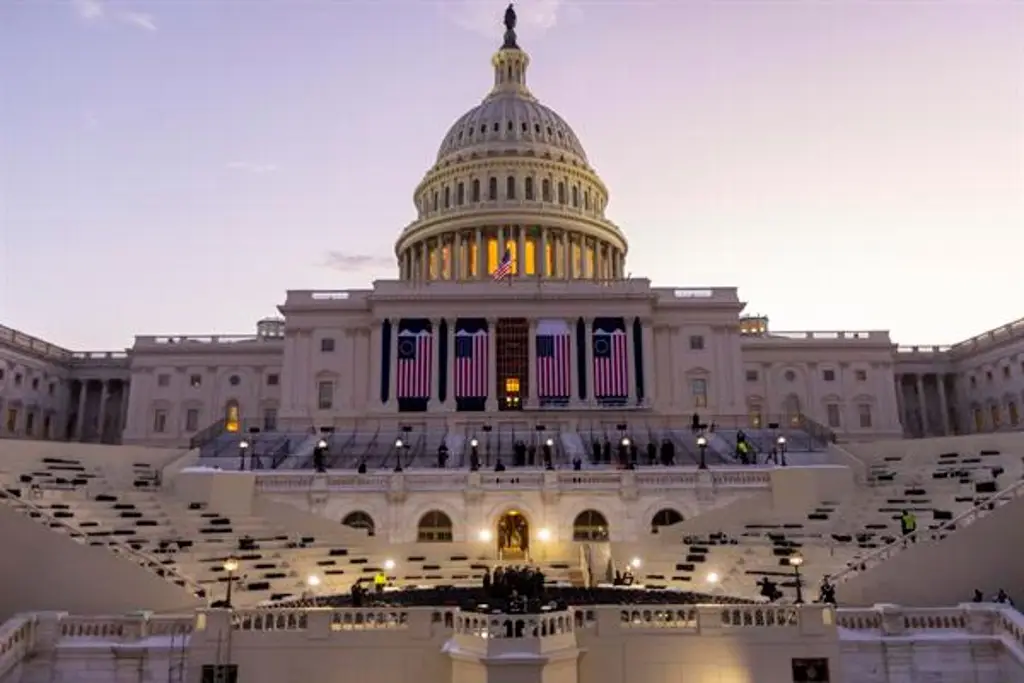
[192, 420]
[325, 395]
[864, 414]
[163, 380]
[829, 375]
[30, 424]
[699, 389]
[219, 673]
[195, 381]
[326, 345]
[35, 384]
[17, 379]
[270, 420]
[52, 388]
[159, 421]
[834, 416]
[696, 342]
[273, 380]
[862, 375]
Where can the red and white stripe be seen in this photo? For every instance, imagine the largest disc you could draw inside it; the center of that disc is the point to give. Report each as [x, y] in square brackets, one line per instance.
[611, 373]
[553, 369]
[471, 365]
[415, 374]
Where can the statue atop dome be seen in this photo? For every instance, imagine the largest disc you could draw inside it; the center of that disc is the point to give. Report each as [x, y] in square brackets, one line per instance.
[510, 28]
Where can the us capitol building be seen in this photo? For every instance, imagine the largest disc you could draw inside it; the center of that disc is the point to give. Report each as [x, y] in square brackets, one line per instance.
[512, 308]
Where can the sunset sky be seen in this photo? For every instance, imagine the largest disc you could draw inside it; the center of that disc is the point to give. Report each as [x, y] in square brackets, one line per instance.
[174, 167]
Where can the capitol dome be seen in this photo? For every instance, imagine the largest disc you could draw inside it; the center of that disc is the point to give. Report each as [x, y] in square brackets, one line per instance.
[511, 177]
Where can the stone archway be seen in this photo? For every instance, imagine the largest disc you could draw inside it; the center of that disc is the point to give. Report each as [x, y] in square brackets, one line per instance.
[513, 535]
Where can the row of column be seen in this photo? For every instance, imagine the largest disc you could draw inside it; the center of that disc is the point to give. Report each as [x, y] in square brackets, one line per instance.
[922, 402]
[451, 257]
[448, 403]
[102, 408]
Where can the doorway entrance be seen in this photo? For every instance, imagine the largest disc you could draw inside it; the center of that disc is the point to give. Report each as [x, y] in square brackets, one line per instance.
[513, 536]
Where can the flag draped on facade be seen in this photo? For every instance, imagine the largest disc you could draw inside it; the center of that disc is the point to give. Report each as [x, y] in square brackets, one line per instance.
[471, 358]
[414, 367]
[611, 359]
[553, 359]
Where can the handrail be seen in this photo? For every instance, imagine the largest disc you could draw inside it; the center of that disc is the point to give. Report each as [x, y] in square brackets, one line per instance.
[1011, 492]
[149, 561]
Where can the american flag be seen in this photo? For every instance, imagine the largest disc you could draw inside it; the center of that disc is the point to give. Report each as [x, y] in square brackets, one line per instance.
[471, 366]
[611, 374]
[504, 268]
[415, 356]
[553, 358]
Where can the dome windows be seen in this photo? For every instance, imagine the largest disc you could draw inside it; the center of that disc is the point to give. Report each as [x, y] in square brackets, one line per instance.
[545, 190]
[561, 192]
[476, 190]
[510, 187]
[528, 188]
[435, 200]
[460, 194]
[575, 196]
[447, 197]
[492, 189]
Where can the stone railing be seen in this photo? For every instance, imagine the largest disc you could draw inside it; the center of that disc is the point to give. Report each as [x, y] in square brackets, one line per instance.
[965, 519]
[973, 619]
[17, 640]
[525, 479]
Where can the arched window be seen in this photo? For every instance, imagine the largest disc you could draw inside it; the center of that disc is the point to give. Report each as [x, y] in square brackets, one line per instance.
[476, 191]
[528, 188]
[434, 527]
[665, 517]
[561, 192]
[590, 525]
[545, 190]
[447, 197]
[791, 407]
[492, 189]
[575, 196]
[586, 199]
[460, 194]
[510, 187]
[360, 520]
[435, 200]
[232, 421]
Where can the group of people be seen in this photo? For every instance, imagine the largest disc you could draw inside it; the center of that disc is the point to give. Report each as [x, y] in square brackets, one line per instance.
[514, 583]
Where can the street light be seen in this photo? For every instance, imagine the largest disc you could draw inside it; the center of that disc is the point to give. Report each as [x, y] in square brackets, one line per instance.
[230, 566]
[243, 448]
[473, 443]
[702, 445]
[781, 442]
[625, 442]
[795, 561]
[549, 443]
[399, 446]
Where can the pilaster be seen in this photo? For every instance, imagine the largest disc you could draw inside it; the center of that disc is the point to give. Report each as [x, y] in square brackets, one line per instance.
[492, 365]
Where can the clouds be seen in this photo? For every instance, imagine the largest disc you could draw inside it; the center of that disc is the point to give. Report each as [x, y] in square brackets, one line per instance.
[347, 261]
[95, 11]
[250, 167]
[485, 16]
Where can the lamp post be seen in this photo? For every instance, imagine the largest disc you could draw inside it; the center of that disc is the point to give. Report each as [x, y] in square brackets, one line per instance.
[781, 443]
[230, 566]
[243, 449]
[313, 582]
[702, 446]
[320, 456]
[795, 561]
[399, 447]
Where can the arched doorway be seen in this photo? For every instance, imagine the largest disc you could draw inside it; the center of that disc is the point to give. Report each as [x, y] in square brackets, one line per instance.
[513, 536]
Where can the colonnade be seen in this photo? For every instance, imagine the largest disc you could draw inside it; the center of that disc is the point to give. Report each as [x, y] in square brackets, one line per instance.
[536, 252]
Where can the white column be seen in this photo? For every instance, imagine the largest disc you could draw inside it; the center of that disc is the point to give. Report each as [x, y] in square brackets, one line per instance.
[574, 372]
[567, 256]
[901, 408]
[458, 252]
[449, 372]
[502, 241]
[481, 255]
[542, 267]
[630, 360]
[376, 360]
[521, 252]
[80, 417]
[492, 365]
[104, 398]
[922, 405]
[648, 366]
[393, 364]
[531, 354]
[123, 408]
[940, 380]
[588, 350]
